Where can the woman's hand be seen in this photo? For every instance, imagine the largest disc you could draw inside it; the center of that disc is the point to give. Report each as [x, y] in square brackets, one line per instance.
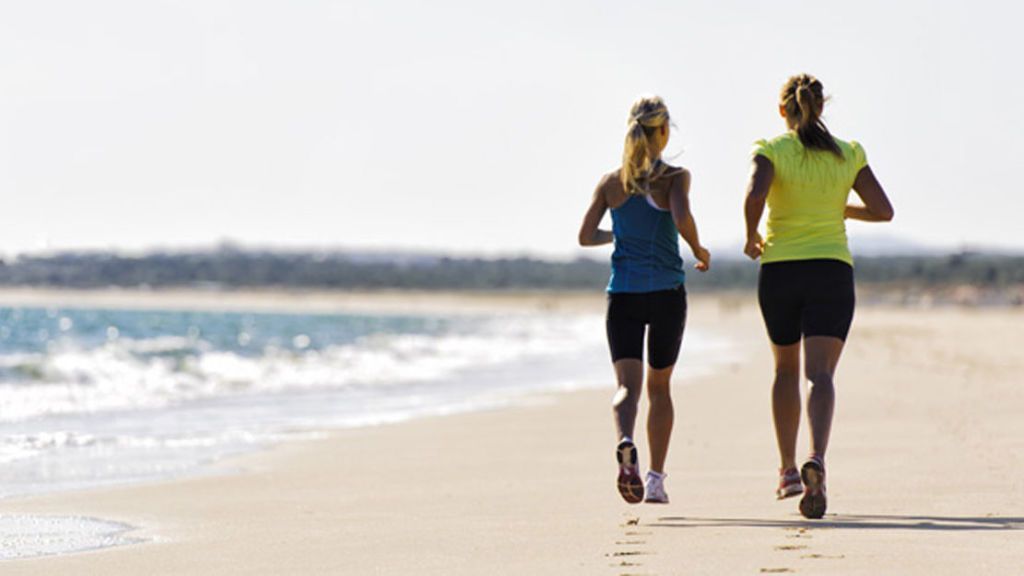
[703, 258]
[754, 247]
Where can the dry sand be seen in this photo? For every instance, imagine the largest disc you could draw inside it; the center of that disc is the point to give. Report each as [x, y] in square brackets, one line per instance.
[926, 472]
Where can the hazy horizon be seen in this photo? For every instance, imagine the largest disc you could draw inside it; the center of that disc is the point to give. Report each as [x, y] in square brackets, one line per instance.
[476, 129]
[866, 246]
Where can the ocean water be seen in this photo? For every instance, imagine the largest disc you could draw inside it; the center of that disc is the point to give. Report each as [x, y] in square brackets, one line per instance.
[99, 397]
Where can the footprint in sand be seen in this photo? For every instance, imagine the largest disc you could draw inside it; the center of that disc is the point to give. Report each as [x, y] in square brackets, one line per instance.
[632, 553]
[800, 533]
[630, 558]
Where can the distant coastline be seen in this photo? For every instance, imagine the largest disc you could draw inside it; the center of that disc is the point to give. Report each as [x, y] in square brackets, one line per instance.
[962, 278]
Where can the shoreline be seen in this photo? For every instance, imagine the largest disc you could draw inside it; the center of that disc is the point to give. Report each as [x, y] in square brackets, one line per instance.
[460, 302]
[307, 301]
[529, 489]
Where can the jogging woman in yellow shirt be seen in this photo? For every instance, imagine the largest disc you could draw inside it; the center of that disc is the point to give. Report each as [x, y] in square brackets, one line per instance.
[805, 286]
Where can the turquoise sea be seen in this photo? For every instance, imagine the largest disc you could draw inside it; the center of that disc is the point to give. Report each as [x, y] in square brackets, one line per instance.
[93, 397]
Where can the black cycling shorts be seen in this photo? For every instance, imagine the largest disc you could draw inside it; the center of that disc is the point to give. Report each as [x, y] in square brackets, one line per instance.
[806, 298]
[629, 313]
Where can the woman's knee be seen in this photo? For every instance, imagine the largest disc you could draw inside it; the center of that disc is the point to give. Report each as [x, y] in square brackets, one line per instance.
[659, 390]
[787, 374]
[820, 379]
[787, 363]
[627, 394]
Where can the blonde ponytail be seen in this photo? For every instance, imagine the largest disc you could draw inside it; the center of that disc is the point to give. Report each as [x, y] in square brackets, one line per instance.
[638, 168]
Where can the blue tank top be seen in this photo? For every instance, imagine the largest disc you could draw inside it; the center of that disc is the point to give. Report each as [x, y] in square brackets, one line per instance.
[646, 256]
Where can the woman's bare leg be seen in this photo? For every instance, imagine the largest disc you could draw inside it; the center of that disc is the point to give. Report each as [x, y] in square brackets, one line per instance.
[661, 415]
[786, 402]
[630, 376]
[821, 355]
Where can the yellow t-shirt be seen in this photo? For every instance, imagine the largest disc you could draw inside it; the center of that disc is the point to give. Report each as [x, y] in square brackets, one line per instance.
[807, 199]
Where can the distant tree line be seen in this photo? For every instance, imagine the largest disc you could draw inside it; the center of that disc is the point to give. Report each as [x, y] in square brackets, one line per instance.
[256, 269]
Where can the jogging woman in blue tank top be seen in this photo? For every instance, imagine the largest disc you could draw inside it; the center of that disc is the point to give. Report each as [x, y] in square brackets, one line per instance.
[649, 202]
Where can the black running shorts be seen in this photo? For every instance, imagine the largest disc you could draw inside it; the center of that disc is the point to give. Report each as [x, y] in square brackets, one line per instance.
[629, 313]
[806, 298]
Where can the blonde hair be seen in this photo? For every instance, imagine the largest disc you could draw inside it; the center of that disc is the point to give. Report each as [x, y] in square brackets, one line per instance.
[803, 97]
[638, 169]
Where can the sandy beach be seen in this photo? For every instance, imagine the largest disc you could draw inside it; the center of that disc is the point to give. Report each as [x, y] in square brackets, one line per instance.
[924, 475]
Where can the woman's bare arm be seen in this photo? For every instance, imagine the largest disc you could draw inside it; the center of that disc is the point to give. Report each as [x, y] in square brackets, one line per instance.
[590, 234]
[679, 203]
[877, 207]
[757, 193]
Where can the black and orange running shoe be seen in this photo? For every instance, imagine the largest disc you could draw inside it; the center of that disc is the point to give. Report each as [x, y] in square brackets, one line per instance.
[631, 487]
[813, 504]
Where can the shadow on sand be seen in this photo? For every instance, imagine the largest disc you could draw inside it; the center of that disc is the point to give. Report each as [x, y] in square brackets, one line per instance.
[855, 522]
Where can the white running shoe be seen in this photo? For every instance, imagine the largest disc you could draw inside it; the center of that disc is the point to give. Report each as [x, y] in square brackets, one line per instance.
[655, 488]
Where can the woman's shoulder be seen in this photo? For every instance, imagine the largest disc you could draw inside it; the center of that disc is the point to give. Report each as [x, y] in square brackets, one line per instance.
[610, 186]
[852, 149]
[678, 178]
[771, 148]
[671, 171]
[611, 180]
[847, 144]
[786, 138]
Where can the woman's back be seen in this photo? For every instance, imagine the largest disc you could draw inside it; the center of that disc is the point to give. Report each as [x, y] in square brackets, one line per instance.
[807, 199]
[646, 256]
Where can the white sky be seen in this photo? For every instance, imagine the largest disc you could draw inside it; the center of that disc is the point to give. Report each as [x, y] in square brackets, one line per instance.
[477, 128]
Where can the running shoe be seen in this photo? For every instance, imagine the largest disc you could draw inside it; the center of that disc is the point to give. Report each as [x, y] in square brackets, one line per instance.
[813, 504]
[789, 484]
[655, 488]
[630, 486]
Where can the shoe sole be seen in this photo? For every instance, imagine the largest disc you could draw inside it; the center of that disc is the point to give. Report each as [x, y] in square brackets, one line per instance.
[631, 488]
[814, 503]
